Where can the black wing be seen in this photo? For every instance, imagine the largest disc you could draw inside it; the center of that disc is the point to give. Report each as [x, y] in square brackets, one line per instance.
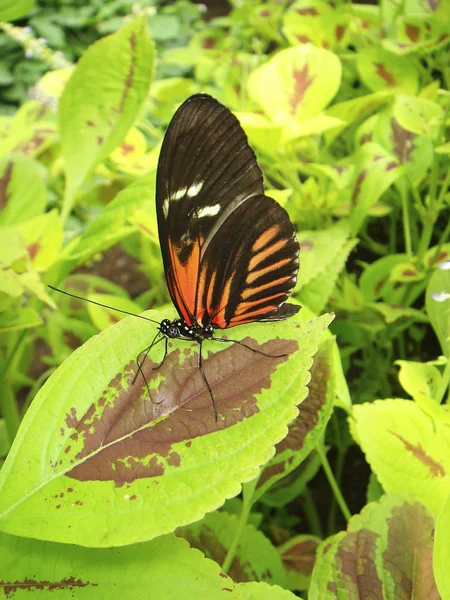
[230, 253]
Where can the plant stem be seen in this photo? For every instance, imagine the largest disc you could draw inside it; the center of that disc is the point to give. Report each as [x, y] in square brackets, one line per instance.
[248, 489]
[311, 513]
[406, 225]
[333, 484]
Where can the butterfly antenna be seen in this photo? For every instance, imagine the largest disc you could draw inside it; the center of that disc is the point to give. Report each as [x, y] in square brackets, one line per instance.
[125, 312]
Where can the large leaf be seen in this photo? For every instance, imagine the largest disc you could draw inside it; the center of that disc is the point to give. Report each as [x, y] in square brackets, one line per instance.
[100, 461]
[296, 84]
[418, 446]
[385, 553]
[101, 100]
[165, 566]
[381, 70]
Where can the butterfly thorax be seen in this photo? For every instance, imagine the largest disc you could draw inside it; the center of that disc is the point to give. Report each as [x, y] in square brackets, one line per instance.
[180, 329]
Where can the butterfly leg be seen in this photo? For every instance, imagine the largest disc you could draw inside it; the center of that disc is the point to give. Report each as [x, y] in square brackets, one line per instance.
[145, 353]
[248, 347]
[200, 366]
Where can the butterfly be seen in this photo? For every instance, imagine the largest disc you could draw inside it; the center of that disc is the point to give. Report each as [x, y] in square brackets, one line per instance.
[230, 252]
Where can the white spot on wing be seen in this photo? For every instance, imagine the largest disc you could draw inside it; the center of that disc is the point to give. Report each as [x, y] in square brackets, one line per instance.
[195, 189]
[166, 207]
[208, 211]
[181, 193]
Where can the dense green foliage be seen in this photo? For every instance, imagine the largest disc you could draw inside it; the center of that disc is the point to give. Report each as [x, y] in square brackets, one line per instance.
[347, 108]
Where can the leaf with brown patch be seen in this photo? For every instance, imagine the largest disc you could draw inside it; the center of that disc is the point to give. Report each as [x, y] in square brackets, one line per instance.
[307, 428]
[386, 553]
[421, 447]
[299, 555]
[60, 571]
[141, 464]
[101, 100]
[256, 558]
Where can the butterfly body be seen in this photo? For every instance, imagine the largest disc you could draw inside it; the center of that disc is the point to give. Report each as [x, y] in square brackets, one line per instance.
[178, 328]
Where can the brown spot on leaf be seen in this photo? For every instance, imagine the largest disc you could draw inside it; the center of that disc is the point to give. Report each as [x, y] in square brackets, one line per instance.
[126, 438]
[409, 273]
[306, 245]
[412, 32]
[367, 137]
[301, 84]
[130, 75]
[126, 148]
[30, 585]
[307, 12]
[90, 123]
[209, 43]
[133, 497]
[33, 249]
[391, 165]
[359, 181]
[99, 140]
[435, 468]
[385, 74]
[402, 140]
[303, 39]
[340, 30]
[4, 182]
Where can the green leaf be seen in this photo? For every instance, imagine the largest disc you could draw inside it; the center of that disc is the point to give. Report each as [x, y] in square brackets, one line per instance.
[125, 466]
[296, 84]
[437, 305]
[256, 558]
[421, 447]
[167, 567]
[418, 379]
[10, 10]
[375, 281]
[385, 553]
[22, 190]
[418, 115]
[101, 100]
[307, 428]
[381, 70]
[440, 554]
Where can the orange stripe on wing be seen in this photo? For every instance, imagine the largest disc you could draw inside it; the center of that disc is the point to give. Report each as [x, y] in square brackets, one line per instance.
[251, 277]
[265, 238]
[262, 255]
[244, 306]
[250, 317]
[251, 291]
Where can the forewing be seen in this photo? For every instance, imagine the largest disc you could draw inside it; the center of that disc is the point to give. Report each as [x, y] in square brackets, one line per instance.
[250, 267]
[206, 171]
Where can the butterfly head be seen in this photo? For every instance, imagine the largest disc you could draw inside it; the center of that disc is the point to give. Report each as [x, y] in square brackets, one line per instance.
[169, 328]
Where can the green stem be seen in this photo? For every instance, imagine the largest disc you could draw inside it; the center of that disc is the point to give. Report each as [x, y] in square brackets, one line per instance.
[406, 224]
[333, 484]
[339, 472]
[445, 381]
[10, 412]
[248, 489]
[312, 514]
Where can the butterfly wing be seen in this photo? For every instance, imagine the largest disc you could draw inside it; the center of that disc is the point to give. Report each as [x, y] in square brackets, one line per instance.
[211, 213]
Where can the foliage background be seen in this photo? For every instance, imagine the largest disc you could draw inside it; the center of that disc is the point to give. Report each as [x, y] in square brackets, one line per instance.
[346, 106]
